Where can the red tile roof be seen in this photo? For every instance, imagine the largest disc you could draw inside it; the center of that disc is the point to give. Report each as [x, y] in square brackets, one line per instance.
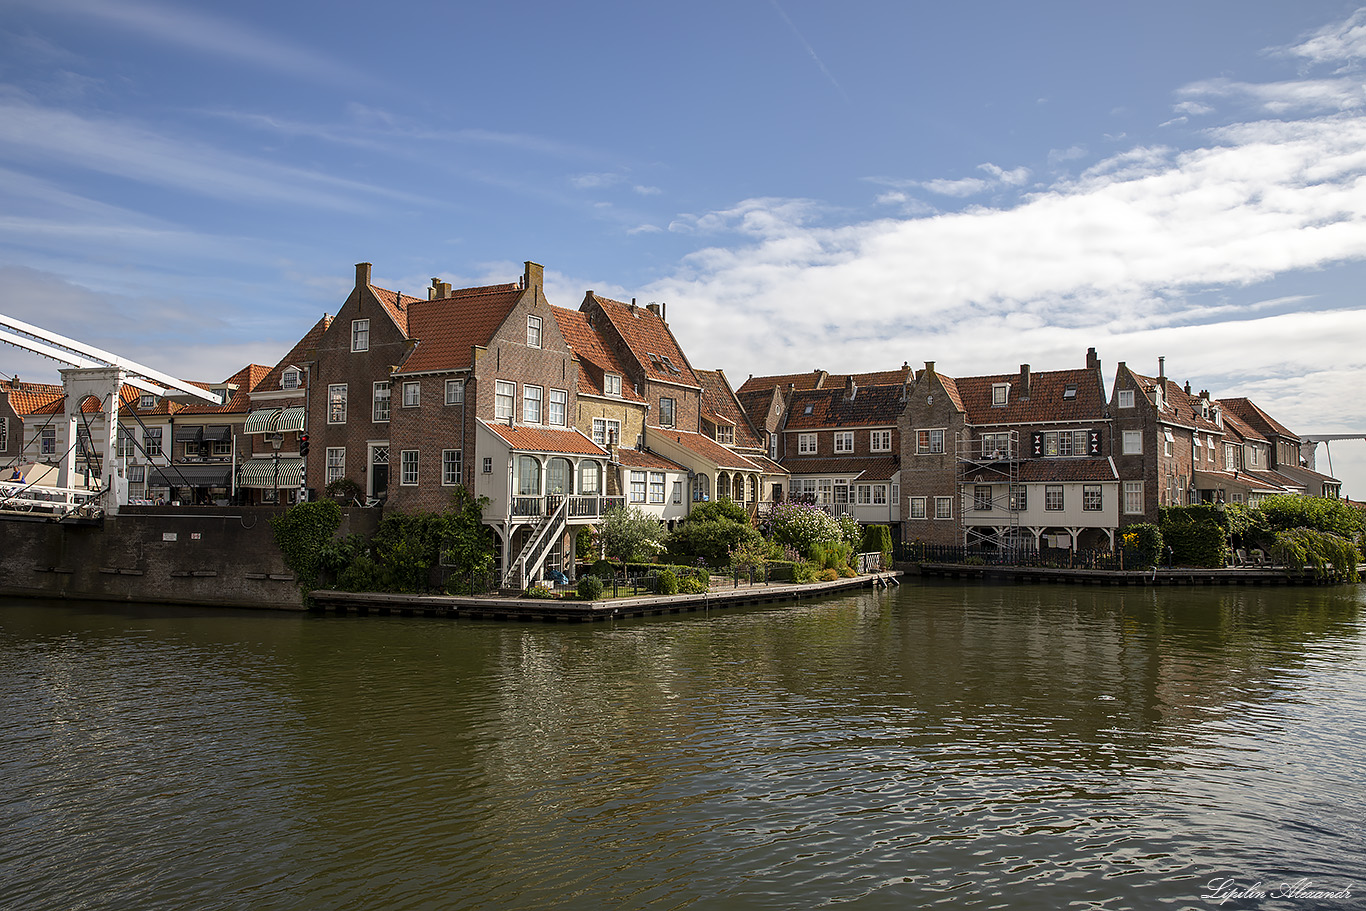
[1179, 406]
[34, 398]
[1235, 428]
[595, 356]
[718, 401]
[301, 353]
[397, 304]
[1038, 471]
[870, 406]
[876, 467]
[449, 328]
[647, 334]
[1045, 402]
[540, 439]
[1249, 412]
[705, 447]
[816, 379]
[635, 458]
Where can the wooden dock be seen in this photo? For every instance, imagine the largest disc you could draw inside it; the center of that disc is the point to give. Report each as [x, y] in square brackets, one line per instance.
[1158, 576]
[570, 611]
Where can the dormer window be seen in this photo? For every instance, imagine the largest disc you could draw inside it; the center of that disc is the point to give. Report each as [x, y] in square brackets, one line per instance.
[611, 384]
[360, 335]
[533, 332]
[1070, 392]
[290, 378]
[1000, 394]
[147, 400]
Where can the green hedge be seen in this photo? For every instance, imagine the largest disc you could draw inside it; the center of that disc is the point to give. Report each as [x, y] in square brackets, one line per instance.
[1197, 535]
[1142, 543]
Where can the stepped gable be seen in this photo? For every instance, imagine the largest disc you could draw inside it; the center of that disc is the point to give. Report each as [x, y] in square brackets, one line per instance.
[1045, 402]
[719, 404]
[646, 334]
[596, 358]
[447, 329]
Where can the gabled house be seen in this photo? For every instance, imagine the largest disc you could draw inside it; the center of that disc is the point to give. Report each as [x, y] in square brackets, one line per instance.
[1283, 450]
[1016, 460]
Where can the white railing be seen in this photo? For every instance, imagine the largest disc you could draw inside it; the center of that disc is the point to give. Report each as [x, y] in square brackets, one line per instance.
[538, 544]
[54, 501]
[580, 507]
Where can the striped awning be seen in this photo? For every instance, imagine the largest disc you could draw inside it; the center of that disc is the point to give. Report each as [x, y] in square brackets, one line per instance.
[291, 419]
[260, 473]
[191, 433]
[260, 421]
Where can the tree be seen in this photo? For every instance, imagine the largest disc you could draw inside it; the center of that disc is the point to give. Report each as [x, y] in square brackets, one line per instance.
[712, 531]
[629, 534]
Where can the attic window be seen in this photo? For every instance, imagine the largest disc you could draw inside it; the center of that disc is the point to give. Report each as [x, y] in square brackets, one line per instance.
[670, 364]
[290, 378]
[1070, 392]
[654, 359]
[1000, 394]
[147, 400]
[808, 409]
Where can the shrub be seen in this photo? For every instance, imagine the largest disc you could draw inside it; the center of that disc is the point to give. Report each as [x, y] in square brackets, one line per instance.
[344, 490]
[828, 575]
[803, 573]
[1197, 535]
[302, 533]
[668, 582]
[1142, 543]
[802, 526]
[590, 588]
[539, 591]
[847, 572]
[878, 539]
[692, 586]
[1297, 548]
[604, 569]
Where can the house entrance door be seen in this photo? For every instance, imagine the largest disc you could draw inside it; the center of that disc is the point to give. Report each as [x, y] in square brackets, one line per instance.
[379, 469]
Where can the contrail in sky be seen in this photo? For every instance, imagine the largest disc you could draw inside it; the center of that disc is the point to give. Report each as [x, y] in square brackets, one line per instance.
[806, 44]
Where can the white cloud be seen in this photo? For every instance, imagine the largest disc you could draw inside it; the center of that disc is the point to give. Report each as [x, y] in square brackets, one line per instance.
[1342, 43]
[644, 229]
[646, 191]
[594, 181]
[1279, 98]
[966, 186]
[1016, 177]
[1072, 153]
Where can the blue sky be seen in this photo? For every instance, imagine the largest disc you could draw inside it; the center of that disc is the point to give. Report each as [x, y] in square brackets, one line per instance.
[805, 184]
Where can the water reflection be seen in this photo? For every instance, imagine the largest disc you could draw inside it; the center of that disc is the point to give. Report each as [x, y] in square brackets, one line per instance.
[941, 744]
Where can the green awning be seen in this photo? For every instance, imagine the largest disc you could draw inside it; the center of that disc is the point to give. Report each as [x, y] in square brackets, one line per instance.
[216, 475]
[291, 419]
[260, 421]
[260, 473]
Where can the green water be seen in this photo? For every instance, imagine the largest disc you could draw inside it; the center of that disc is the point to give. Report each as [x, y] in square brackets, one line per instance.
[939, 745]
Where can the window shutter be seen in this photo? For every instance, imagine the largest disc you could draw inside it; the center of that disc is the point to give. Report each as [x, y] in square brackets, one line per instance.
[1036, 444]
[1093, 439]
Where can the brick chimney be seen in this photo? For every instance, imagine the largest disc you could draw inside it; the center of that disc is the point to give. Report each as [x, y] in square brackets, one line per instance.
[654, 308]
[1024, 381]
[1092, 359]
[534, 277]
[1162, 371]
[362, 274]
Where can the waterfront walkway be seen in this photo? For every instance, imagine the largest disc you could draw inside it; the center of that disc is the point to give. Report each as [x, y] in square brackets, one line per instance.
[723, 595]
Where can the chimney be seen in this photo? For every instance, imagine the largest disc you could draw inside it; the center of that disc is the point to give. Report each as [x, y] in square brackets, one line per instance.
[362, 274]
[1024, 381]
[432, 291]
[850, 388]
[534, 277]
[929, 368]
[1162, 371]
[1092, 359]
[1188, 387]
[653, 307]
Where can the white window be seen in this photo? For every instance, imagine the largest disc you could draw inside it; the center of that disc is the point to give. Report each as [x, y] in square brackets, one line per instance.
[1069, 391]
[1052, 497]
[995, 445]
[666, 412]
[1019, 498]
[879, 494]
[360, 335]
[880, 441]
[504, 397]
[1252, 455]
[611, 383]
[656, 487]
[773, 446]
[533, 332]
[290, 378]
[638, 486]
[147, 401]
[4, 433]
[336, 463]
[606, 431]
[558, 407]
[864, 494]
[408, 467]
[981, 498]
[412, 395]
[917, 507]
[451, 462]
[806, 443]
[455, 392]
[1133, 498]
[1092, 498]
[1000, 394]
[1168, 442]
[725, 434]
[1230, 460]
[1126, 398]
[844, 441]
[151, 441]
[336, 403]
[929, 442]
[487, 465]
[943, 507]
[1133, 442]
[381, 409]
[589, 478]
[678, 492]
[532, 396]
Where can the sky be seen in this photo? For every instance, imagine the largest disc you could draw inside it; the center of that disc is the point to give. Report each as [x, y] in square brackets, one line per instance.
[844, 186]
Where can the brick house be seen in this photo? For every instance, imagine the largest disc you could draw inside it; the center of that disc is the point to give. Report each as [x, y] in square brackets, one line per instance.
[273, 468]
[1014, 460]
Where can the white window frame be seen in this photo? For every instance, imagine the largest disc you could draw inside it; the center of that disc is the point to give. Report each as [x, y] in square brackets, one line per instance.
[533, 331]
[1125, 398]
[289, 379]
[611, 384]
[638, 486]
[504, 399]
[844, 441]
[452, 465]
[880, 441]
[533, 403]
[360, 335]
[1133, 498]
[1054, 498]
[382, 396]
[455, 392]
[656, 487]
[557, 407]
[336, 403]
[604, 429]
[336, 464]
[1092, 498]
[1132, 442]
[806, 443]
[1000, 395]
[412, 394]
[879, 494]
[408, 467]
[147, 401]
[725, 434]
[943, 507]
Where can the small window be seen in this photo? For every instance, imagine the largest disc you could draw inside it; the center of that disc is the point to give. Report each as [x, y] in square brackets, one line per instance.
[725, 434]
[360, 335]
[1126, 398]
[638, 480]
[656, 487]
[450, 466]
[381, 409]
[336, 403]
[1091, 497]
[559, 406]
[336, 464]
[670, 364]
[488, 465]
[929, 442]
[806, 443]
[504, 396]
[880, 441]
[290, 379]
[147, 401]
[809, 409]
[981, 498]
[532, 396]
[533, 332]
[455, 392]
[1019, 498]
[844, 441]
[611, 383]
[1133, 498]
[1133, 442]
[408, 467]
[1052, 497]
[1070, 391]
[666, 412]
[943, 507]
[1000, 394]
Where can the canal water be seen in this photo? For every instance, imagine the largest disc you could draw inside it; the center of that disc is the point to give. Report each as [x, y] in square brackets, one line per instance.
[939, 745]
